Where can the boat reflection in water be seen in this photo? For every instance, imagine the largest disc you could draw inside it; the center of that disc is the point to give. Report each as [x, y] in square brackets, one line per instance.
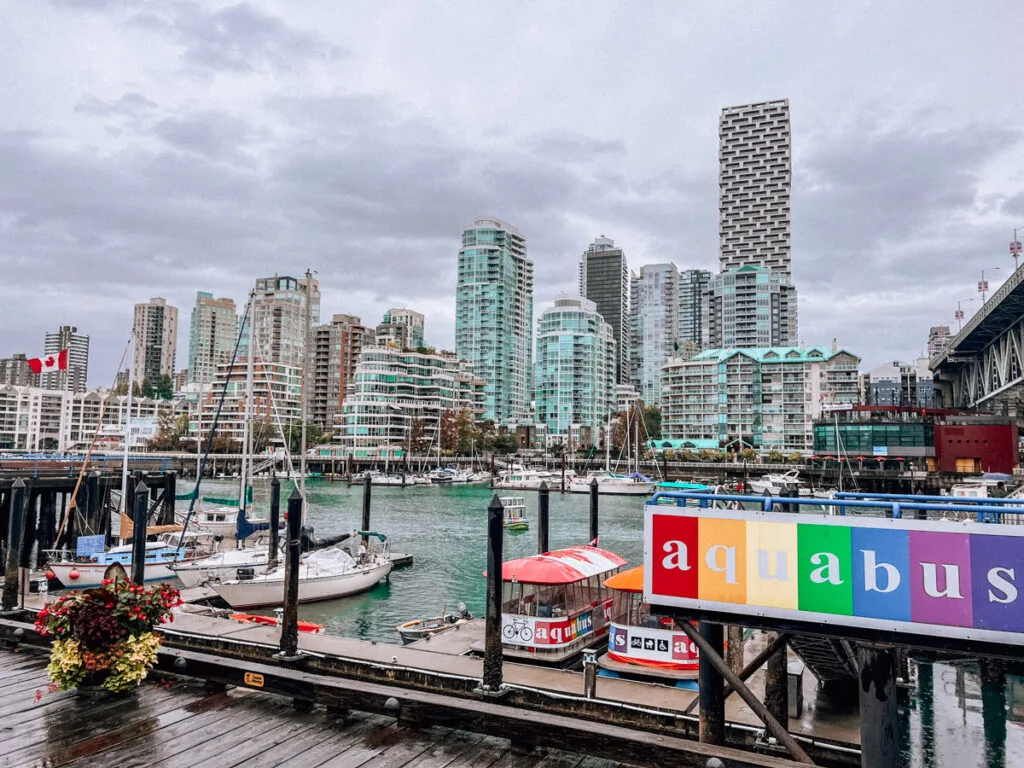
[554, 605]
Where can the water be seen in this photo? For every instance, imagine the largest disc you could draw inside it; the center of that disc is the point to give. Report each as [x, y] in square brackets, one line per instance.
[444, 528]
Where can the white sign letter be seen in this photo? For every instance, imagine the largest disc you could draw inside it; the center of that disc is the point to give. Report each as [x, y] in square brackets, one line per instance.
[729, 569]
[676, 557]
[780, 566]
[997, 578]
[952, 579]
[892, 580]
[828, 572]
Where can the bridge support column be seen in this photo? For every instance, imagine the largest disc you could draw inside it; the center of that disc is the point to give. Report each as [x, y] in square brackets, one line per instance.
[879, 710]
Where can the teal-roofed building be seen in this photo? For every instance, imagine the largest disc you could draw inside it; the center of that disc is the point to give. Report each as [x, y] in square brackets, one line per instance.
[765, 398]
[494, 316]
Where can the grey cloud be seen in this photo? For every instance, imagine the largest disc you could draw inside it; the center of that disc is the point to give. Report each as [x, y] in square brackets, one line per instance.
[214, 135]
[574, 148]
[129, 104]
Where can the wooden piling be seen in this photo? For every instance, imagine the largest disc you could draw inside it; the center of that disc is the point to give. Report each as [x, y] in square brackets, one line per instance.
[275, 522]
[28, 540]
[776, 684]
[879, 710]
[15, 538]
[593, 510]
[45, 531]
[367, 493]
[492, 630]
[543, 505]
[170, 490]
[92, 500]
[993, 709]
[711, 685]
[140, 510]
[290, 618]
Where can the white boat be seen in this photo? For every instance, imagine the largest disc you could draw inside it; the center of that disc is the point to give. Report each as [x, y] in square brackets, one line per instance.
[326, 574]
[418, 629]
[609, 484]
[85, 575]
[479, 477]
[227, 564]
[786, 484]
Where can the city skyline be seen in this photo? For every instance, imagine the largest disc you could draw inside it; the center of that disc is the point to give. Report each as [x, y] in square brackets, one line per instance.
[181, 163]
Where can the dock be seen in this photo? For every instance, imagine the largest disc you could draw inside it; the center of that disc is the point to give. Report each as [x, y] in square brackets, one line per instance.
[175, 721]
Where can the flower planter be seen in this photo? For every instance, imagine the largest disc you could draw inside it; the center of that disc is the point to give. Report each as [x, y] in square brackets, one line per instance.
[103, 639]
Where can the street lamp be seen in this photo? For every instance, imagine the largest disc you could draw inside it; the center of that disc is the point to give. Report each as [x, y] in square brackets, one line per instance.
[959, 315]
[983, 283]
[1015, 248]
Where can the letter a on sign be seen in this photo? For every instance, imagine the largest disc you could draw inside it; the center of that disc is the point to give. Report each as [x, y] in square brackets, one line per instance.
[673, 539]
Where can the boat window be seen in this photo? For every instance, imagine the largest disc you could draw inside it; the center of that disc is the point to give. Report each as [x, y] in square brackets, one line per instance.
[621, 603]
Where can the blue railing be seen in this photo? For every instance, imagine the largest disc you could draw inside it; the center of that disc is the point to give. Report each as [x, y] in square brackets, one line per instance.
[894, 506]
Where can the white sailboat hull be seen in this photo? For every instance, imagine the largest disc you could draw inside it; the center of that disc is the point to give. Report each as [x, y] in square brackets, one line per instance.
[627, 488]
[91, 574]
[259, 592]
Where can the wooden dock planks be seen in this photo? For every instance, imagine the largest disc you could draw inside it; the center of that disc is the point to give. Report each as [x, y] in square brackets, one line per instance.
[180, 726]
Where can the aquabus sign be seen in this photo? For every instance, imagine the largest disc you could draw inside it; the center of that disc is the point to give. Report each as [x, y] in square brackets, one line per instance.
[962, 580]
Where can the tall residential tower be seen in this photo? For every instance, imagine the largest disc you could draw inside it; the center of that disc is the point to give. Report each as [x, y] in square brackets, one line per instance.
[494, 316]
[654, 309]
[212, 336]
[604, 279]
[77, 344]
[155, 340]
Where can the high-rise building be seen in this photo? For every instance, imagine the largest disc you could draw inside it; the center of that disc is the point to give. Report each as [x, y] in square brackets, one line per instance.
[693, 285]
[336, 349]
[938, 339]
[14, 371]
[751, 307]
[574, 377]
[760, 398]
[754, 186]
[278, 317]
[212, 336]
[654, 313]
[155, 340]
[401, 327]
[494, 316]
[398, 398]
[77, 344]
[604, 279]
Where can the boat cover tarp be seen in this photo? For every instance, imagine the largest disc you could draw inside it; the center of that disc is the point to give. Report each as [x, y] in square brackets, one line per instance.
[627, 581]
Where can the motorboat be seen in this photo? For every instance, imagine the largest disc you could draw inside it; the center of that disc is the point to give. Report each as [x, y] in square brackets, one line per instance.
[418, 629]
[610, 484]
[326, 574]
[785, 484]
[479, 477]
[520, 479]
[641, 642]
[514, 514]
[554, 605]
[442, 476]
[86, 572]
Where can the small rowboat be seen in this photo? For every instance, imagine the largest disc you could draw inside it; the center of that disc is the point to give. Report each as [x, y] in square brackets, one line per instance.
[271, 621]
[418, 629]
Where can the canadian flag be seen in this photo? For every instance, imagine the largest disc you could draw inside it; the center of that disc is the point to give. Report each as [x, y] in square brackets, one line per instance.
[58, 362]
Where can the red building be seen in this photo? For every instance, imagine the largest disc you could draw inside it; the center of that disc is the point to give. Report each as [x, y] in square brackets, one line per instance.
[976, 447]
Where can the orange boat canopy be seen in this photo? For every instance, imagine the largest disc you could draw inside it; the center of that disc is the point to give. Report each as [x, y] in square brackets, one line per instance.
[627, 581]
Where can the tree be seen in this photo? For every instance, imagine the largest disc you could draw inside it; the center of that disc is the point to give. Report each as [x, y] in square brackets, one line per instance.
[418, 440]
[170, 432]
[748, 454]
[795, 457]
[314, 436]
[774, 457]
[652, 422]
[225, 444]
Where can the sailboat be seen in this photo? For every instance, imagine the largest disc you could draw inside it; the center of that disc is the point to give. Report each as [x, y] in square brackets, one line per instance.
[83, 571]
[610, 484]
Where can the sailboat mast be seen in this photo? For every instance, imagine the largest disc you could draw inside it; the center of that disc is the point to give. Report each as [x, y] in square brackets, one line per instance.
[127, 430]
[636, 452]
[306, 382]
[246, 467]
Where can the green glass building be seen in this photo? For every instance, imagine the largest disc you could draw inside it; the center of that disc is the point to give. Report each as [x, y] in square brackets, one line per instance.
[575, 371]
[494, 316]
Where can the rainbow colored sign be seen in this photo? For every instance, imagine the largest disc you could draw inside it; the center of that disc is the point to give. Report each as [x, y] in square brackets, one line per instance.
[961, 579]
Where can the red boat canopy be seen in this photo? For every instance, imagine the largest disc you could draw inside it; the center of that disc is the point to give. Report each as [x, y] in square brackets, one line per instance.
[563, 566]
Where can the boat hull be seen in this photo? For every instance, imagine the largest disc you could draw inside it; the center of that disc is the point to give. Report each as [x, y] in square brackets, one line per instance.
[258, 592]
[91, 574]
[614, 489]
[194, 574]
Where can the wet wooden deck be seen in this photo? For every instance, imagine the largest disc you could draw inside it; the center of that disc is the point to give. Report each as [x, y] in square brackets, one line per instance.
[177, 724]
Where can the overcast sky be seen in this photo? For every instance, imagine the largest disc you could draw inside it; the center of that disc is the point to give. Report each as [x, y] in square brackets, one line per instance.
[160, 148]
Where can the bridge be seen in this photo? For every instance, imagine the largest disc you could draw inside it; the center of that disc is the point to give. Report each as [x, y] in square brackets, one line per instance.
[983, 365]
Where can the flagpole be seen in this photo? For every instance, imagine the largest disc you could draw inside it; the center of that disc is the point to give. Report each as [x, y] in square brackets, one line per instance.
[62, 443]
[127, 429]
